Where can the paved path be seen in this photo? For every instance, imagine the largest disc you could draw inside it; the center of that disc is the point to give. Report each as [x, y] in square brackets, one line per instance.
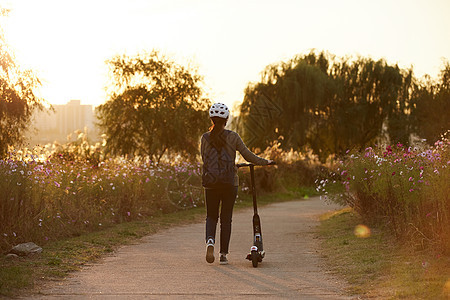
[171, 264]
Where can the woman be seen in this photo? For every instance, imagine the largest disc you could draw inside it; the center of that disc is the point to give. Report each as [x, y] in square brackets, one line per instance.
[218, 150]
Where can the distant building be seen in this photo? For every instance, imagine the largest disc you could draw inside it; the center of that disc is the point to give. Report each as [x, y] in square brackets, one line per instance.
[50, 126]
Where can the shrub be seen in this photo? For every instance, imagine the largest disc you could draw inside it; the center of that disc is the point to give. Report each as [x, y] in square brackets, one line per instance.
[43, 198]
[406, 188]
[63, 190]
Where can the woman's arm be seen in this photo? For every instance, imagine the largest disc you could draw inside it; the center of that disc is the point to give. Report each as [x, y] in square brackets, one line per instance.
[247, 154]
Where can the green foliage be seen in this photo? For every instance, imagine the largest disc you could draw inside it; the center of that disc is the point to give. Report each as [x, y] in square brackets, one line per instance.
[18, 98]
[154, 106]
[370, 94]
[326, 104]
[432, 104]
[298, 88]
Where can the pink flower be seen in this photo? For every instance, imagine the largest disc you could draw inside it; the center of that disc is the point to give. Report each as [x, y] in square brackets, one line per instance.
[393, 173]
[411, 179]
[57, 184]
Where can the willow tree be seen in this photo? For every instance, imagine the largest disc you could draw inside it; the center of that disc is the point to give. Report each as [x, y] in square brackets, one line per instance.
[18, 98]
[432, 104]
[285, 103]
[326, 104]
[155, 105]
[372, 100]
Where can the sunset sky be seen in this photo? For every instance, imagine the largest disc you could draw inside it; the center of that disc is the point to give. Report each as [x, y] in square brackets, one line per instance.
[67, 42]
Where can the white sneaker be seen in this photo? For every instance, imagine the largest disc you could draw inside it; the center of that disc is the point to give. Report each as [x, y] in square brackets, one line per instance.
[223, 259]
[210, 251]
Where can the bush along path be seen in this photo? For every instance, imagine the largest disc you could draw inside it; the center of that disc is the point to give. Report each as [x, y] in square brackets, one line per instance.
[401, 195]
[172, 262]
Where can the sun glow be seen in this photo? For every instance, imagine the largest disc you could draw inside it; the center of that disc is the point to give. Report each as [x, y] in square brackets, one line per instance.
[50, 44]
[67, 42]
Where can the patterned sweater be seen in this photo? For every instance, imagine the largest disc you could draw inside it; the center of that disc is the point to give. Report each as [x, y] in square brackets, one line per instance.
[234, 143]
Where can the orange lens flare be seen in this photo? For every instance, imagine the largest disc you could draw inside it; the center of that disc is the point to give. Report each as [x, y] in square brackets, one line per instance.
[362, 231]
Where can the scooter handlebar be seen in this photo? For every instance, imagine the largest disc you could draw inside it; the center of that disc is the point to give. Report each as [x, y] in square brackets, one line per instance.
[250, 164]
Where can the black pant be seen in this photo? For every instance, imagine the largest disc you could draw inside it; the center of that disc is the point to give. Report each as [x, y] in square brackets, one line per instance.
[226, 196]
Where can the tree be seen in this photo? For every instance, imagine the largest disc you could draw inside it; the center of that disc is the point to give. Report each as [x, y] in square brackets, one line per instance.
[155, 105]
[18, 99]
[371, 94]
[327, 104]
[432, 104]
[286, 103]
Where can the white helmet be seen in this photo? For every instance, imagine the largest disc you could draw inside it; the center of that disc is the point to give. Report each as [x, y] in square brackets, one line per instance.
[219, 110]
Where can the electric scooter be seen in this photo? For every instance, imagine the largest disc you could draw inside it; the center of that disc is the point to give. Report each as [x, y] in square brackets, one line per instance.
[257, 252]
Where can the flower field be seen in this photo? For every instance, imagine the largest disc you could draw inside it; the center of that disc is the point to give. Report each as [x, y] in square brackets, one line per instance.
[46, 196]
[408, 189]
[62, 190]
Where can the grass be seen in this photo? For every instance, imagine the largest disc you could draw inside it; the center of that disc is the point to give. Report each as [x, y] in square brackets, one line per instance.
[61, 257]
[377, 266]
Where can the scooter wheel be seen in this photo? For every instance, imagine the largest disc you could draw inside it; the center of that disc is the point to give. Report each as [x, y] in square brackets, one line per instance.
[255, 259]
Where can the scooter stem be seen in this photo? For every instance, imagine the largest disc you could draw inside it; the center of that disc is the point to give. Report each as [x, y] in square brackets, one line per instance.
[252, 176]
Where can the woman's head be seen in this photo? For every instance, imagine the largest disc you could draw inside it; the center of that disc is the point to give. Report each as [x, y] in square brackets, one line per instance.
[219, 116]
[219, 113]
